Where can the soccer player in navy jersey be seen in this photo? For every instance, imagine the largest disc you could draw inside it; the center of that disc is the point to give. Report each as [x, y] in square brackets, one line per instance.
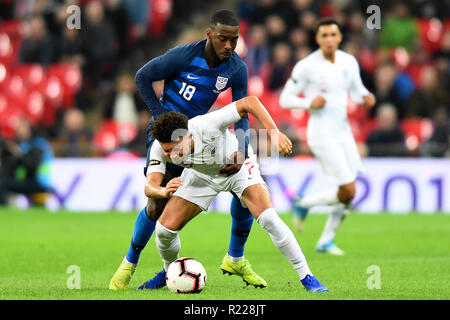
[194, 75]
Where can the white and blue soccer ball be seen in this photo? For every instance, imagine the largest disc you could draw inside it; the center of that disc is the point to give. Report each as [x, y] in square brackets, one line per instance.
[186, 275]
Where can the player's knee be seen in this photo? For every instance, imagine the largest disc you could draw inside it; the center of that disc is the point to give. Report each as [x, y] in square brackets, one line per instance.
[238, 212]
[164, 235]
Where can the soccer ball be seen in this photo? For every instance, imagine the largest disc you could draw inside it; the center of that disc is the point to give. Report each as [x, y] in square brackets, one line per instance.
[186, 275]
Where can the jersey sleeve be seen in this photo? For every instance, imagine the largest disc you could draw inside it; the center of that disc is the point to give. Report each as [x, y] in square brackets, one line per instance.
[357, 88]
[241, 128]
[157, 161]
[221, 119]
[294, 86]
[159, 68]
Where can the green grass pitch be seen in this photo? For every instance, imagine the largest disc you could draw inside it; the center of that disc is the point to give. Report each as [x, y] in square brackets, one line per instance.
[37, 247]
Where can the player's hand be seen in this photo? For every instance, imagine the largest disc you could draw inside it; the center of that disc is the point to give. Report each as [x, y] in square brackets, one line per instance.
[369, 101]
[284, 144]
[318, 102]
[172, 186]
[238, 159]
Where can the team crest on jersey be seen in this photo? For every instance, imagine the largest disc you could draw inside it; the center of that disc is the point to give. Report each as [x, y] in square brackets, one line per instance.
[221, 82]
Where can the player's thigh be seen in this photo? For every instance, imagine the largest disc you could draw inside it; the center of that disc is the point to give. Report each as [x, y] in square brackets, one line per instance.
[334, 162]
[198, 190]
[257, 199]
[178, 212]
[249, 186]
[155, 208]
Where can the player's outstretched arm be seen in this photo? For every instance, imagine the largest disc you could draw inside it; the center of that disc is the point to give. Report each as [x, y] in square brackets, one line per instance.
[153, 188]
[253, 106]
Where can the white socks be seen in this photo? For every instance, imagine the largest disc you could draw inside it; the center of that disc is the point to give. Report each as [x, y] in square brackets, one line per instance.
[284, 240]
[325, 197]
[334, 221]
[168, 244]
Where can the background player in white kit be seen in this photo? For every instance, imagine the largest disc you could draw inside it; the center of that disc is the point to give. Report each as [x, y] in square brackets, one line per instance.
[325, 78]
[202, 146]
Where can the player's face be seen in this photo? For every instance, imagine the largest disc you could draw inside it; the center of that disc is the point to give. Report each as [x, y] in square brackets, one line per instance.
[177, 150]
[224, 40]
[328, 38]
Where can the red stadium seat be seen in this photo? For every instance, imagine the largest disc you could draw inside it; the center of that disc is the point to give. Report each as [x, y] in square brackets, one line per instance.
[13, 28]
[4, 76]
[7, 50]
[33, 75]
[70, 78]
[418, 128]
[9, 115]
[53, 91]
[106, 139]
[431, 32]
[14, 86]
[160, 12]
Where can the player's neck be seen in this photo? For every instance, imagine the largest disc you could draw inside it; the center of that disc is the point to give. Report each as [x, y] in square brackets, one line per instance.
[211, 57]
[329, 56]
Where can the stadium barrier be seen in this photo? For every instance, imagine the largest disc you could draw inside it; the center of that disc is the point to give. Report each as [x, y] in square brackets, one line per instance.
[392, 185]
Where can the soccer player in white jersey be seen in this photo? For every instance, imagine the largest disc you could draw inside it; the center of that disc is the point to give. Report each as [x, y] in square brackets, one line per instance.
[202, 145]
[326, 77]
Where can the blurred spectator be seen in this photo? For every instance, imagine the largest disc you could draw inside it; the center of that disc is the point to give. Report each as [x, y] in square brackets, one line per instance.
[258, 51]
[99, 43]
[125, 103]
[428, 97]
[74, 138]
[37, 46]
[138, 12]
[138, 145]
[308, 20]
[400, 28]
[278, 71]
[260, 10]
[439, 143]
[30, 173]
[276, 29]
[299, 37]
[385, 92]
[71, 47]
[387, 140]
[301, 52]
[115, 11]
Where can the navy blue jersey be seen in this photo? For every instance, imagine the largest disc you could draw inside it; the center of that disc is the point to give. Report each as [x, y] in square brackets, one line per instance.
[190, 85]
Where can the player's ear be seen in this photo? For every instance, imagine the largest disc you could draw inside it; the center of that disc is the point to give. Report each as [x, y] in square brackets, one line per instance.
[340, 36]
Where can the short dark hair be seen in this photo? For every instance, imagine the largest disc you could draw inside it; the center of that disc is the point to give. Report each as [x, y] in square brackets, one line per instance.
[325, 22]
[166, 124]
[225, 17]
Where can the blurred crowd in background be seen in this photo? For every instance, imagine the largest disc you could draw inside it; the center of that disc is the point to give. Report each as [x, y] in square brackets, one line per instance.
[76, 86]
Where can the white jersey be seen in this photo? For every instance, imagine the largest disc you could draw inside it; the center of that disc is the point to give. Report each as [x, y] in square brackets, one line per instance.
[314, 76]
[213, 143]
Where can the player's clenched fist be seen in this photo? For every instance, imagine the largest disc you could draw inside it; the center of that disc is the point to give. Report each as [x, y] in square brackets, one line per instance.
[318, 102]
[172, 186]
[284, 144]
[369, 101]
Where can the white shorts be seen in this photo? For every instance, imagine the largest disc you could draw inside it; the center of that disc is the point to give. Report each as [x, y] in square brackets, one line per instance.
[340, 161]
[201, 189]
